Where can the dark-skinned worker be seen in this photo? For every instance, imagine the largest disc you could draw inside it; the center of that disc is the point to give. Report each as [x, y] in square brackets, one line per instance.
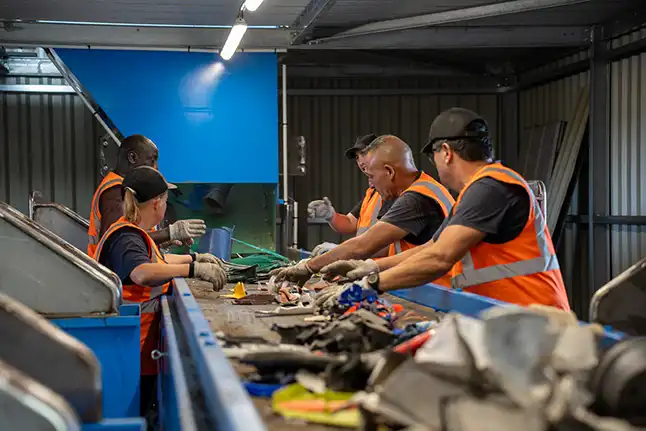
[494, 243]
[365, 213]
[420, 208]
[128, 249]
[107, 203]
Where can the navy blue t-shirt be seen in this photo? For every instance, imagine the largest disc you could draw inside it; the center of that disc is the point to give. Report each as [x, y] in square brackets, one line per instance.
[123, 251]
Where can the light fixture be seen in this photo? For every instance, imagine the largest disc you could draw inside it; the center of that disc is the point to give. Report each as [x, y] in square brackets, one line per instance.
[252, 5]
[235, 36]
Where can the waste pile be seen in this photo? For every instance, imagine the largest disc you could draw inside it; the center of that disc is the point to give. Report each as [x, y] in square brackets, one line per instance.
[361, 361]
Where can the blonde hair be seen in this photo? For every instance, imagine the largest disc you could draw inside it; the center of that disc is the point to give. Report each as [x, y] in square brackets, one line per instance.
[131, 207]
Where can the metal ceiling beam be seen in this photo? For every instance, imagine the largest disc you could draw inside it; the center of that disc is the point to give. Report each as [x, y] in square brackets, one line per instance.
[466, 37]
[450, 16]
[304, 24]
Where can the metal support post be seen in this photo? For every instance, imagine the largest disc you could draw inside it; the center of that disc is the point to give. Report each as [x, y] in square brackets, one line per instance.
[599, 165]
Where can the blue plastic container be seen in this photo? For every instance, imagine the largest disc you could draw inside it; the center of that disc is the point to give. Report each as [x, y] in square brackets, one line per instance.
[131, 424]
[218, 242]
[115, 342]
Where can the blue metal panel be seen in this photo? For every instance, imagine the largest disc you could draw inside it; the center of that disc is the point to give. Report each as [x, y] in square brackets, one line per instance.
[226, 399]
[115, 342]
[131, 424]
[175, 409]
[213, 121]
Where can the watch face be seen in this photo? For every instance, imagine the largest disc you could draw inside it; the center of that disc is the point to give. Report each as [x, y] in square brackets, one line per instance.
[373, 278]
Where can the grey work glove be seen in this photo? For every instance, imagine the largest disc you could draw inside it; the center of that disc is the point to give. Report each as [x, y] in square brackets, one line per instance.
[211, 272]
[321, 208]
[322, 248]
[184, 230]
[209, 258]
[326, 298]
[351, 269]
[298, 273]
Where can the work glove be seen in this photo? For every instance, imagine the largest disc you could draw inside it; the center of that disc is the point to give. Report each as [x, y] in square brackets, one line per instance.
[351, 269]
[321, 208]
[345, 296]
[211, 272]
[323, 248]
[298, 273]
[209, 258]
[185, 230]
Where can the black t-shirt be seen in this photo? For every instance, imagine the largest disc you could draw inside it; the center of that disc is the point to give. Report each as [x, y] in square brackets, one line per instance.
[385, 206]
[497, 209]
[123, 251]
[417, 214]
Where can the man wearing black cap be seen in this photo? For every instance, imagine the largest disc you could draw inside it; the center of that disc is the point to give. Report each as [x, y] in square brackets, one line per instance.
[360, 218]
[495, 241]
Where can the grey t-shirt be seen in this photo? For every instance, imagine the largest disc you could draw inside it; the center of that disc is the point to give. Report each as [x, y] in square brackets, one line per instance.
[497, 209]
[417, 214]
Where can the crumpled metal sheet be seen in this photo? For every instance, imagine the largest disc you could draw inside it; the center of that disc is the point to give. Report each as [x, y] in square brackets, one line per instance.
[472, 414]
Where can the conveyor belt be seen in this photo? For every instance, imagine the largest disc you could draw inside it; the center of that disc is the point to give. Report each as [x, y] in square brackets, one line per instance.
[240, 320]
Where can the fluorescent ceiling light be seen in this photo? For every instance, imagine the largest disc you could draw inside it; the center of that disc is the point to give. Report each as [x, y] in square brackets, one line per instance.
[252, 5]
[235, 36]
[151, 25]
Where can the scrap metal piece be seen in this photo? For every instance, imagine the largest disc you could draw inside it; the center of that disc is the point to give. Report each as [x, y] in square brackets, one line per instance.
[255, 299]
[471, 414]
[39, 349]
[26, 404]
[295, 310]
[49, 275]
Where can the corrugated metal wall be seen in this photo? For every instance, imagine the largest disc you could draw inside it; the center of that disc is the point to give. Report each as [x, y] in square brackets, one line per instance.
[540, 105]
[331, 123]
[49, 143]
[628, 154]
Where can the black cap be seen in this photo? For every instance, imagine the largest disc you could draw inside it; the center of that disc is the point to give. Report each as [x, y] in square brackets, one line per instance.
[456, 123]
[146, 183]
[359, 145]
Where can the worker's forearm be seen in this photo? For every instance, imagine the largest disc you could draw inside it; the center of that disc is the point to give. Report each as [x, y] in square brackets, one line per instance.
[178, 258]
[389, 262]
[350, 249]
[343, 224]
[160, 236]
[423, 267]
[151, 274]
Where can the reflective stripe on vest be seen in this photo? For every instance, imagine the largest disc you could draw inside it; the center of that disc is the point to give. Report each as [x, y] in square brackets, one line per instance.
[95, 220]
[373, 216]
[132, 293]
[439, 195]
[546, 262]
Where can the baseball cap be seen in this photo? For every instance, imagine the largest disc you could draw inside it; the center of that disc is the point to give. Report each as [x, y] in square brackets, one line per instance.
[359, 145]
[456, 123]
[146, 183]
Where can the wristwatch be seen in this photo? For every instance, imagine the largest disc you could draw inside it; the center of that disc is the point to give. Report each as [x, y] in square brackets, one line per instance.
[373, 282]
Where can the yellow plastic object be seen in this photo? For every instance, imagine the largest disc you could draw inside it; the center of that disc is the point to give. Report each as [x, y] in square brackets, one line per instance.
[294, 401]
[239, 291]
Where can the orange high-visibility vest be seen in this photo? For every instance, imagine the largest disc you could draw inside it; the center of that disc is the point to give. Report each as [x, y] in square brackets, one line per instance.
[149, 297]
[110, 180]
[427, 186]
[522, 271]
[370, 208]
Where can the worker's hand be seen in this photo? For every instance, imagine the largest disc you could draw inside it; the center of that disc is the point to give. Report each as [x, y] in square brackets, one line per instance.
[209, 258]
[298, 273]
[184, 230]
[211, 272]
[323, 248]
[169, 243]
[352, 269]
[345, 296]
[321, 208]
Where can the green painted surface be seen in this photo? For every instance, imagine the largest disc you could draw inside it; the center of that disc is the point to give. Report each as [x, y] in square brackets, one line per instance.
[249, 208]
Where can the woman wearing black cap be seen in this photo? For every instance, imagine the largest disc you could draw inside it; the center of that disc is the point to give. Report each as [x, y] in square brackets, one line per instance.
[127, 249]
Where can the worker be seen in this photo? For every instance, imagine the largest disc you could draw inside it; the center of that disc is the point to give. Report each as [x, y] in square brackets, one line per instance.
[494, 243]
[127, 249]
[365, 213]
[419, 209]
[135, 150]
